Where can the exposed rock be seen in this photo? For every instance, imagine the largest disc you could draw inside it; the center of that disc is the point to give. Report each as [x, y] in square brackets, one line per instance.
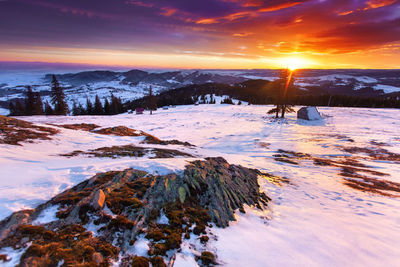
[207, 191]
[3, 258]
[98, 200]
[98, 258]
[10, 223]
[309, 114]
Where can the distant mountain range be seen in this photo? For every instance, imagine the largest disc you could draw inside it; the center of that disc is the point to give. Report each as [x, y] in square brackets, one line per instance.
[133, 84]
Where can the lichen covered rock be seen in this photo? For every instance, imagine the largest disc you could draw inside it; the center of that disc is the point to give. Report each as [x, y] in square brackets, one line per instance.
[123, 205]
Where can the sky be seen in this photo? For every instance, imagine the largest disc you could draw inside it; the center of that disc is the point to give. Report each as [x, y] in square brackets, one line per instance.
[230, 34]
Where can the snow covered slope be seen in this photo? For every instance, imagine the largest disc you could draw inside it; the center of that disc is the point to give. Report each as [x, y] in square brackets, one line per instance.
[315, 219]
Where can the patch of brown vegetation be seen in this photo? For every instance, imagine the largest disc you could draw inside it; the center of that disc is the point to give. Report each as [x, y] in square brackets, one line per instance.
[70, 244]
[140, 262]
[291, 157]
[352, 170]
[80, 126]
[380, 144]
[181, 217]
[276, 180]
[155, 141]
[372, 185]
[119, 131]
[264, 144]
[207, 258]
[123, 131]
[129, 151]
[340, 137]
[14, 131]
[374, 153]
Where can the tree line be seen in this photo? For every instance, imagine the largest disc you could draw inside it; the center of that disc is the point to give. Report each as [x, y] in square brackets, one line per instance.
[263, 92]
[110, 107]
[252, 91]
[33, 104]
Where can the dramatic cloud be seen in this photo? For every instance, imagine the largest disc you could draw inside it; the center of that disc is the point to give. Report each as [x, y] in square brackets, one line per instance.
[253, 29]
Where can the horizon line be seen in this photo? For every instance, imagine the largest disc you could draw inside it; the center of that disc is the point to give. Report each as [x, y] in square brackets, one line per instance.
[73, 64]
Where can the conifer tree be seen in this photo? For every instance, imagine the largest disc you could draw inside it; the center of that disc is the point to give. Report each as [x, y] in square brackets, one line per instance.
[29, 102]
[212, 99]
[37, 104]
[89, 107]
[98, 107]
[20, 110]
[81, 109]
[12, 109]
[58, 98]
[116, 105]
[75, 111]
[106, 107]
[48, 110]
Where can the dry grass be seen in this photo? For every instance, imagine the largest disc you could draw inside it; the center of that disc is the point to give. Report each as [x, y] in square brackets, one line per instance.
[129, 151]
[71, 244]
[276, 180]
[374, 153]
[14, 131]
[123, 131]
[80, 126]
[354, 173]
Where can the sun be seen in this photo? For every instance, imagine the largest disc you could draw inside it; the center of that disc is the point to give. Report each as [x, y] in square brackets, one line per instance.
[294, 63]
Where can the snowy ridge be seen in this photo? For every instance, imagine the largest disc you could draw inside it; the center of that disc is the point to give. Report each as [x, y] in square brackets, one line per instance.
[133, 84]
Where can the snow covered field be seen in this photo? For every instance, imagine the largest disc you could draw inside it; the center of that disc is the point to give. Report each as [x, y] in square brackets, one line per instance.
[314, 220]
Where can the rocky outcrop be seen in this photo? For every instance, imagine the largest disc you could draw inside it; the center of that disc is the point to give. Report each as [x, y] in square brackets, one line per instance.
[309, 114]
[125, 204]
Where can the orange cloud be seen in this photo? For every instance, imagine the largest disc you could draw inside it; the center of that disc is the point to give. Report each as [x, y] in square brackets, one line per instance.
[247, 13]
[371, 4]
[242, 34]
[168, 12]
[139, 3]
[207, 21]
[345, 13]
[278, 7]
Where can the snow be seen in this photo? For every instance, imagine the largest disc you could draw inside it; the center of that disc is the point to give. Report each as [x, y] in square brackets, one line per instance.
[163, 218]
[13, 256]
[46, 216]
[140, 247]
[4, 111]
[314, 221]
[366, 79]
[387, 88]
[255, 77]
